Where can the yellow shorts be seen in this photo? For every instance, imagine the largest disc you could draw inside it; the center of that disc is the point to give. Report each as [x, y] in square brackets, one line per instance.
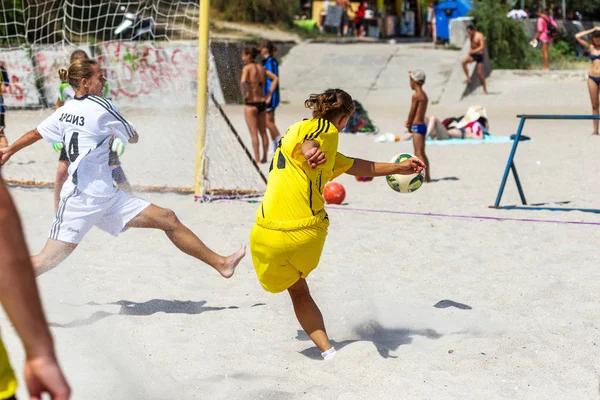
[281, 258]
[8, 381]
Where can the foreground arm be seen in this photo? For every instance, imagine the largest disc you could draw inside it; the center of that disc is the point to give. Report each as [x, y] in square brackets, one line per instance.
[369, 168]
[580, 37]
[274, 82]
[26, 140]
[20, 299]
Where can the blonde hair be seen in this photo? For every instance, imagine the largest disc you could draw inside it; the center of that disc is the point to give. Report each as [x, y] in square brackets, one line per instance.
[330, 104]
[80, 69]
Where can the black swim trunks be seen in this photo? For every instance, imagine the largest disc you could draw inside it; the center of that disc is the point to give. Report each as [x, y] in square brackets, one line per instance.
[261, 106]
[478, 58]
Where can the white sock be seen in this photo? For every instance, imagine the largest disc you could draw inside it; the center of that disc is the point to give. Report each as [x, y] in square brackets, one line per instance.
[329, 354]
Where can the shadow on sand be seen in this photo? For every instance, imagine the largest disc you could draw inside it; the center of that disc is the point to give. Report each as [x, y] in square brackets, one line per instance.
[143, 309]
[385, 340]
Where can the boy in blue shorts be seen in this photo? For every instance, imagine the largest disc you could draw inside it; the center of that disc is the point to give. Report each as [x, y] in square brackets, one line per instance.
[416, 118]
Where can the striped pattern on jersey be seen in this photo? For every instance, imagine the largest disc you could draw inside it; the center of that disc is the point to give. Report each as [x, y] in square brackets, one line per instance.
[108, 107]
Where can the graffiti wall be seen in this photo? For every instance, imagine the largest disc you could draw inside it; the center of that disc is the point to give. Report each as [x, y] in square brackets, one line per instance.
[48, 61]
[21, 92]
[140, 74]
[153, 74]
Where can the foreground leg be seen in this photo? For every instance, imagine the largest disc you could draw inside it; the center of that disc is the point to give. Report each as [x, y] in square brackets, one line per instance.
[594, 93]
[185, 240]
[309, 315]
[481, 74]
[262, 129]
[275, 136]
[53, 253]
[419, 145]
[546, 57]
[251, 115]
[466, 62]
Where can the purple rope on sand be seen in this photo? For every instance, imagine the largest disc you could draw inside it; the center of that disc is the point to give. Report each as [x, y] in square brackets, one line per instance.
[481, 217]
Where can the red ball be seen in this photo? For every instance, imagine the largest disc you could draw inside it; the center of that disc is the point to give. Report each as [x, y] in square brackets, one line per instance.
[334, 193]
[364, 178]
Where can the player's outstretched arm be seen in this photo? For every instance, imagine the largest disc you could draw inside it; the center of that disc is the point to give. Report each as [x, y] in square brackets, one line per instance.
[26, 140]
[369, 168]
[20, 299]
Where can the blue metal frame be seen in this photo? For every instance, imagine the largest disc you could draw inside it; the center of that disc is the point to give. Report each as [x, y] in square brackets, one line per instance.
[510, 165]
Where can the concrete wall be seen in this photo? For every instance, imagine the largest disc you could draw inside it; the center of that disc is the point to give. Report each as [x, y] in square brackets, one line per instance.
[140, 74]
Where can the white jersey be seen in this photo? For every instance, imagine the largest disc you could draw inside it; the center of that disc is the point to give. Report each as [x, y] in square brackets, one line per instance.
[85, 125]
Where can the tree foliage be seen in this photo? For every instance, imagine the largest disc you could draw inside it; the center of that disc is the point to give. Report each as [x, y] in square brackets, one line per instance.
[505, 38]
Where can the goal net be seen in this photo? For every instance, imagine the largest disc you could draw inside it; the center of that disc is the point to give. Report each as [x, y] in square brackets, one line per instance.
[148, 51]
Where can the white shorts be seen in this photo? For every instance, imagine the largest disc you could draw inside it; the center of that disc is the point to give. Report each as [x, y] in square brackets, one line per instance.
[78, 212]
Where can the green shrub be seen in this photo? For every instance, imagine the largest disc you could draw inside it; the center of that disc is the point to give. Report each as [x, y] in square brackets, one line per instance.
[506, 40]
[260, 11]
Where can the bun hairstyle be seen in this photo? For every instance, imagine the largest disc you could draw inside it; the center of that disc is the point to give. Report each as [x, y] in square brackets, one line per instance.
[267, 44]
[80, 69]
[251, 50]
[330, 104]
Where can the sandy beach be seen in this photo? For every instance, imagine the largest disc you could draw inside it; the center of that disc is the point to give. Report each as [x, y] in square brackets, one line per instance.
[431, 295]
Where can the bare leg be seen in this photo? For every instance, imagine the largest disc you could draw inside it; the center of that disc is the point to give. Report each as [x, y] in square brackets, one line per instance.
[466, 62]
[309, 315]
[62, 173]
[251, 115]
[481, 74]
[419, 146]
[546, 57]
[594, 93]
[185, 240]
[262, 130]
[271, 126]
[53, 253]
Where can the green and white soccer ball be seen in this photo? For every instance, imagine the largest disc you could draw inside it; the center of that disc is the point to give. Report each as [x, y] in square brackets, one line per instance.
[405, 183]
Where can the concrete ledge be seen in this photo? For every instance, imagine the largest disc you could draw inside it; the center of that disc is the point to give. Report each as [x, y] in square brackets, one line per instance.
[456, 89]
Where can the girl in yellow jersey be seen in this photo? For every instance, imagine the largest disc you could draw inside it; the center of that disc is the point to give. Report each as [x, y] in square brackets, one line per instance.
[291, 223]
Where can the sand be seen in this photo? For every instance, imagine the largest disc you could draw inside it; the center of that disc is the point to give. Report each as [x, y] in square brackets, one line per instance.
[419, 306]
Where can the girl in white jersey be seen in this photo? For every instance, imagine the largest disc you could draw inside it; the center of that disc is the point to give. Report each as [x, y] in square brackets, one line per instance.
[67, 93]
[89, 197]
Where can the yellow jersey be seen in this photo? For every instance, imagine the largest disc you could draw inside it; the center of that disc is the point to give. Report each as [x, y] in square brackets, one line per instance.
[8, 381]
[294, 196]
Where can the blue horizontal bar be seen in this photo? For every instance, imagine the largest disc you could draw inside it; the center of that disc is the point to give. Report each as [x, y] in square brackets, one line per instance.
[527, 116]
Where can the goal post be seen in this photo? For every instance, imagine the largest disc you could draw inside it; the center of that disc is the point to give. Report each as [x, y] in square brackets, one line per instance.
[202, 103]
[161, 73]
[510, 164]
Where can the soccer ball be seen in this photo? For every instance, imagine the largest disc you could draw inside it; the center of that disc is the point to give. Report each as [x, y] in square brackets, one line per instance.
[405, 183]
[334, 193]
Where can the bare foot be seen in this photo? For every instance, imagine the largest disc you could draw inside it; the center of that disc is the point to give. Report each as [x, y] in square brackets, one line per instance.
[228, 267]
[263, 161]
[468, 80]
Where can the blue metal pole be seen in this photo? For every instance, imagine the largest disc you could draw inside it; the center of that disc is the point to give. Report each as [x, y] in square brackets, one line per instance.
[510, 161]
[518, 181]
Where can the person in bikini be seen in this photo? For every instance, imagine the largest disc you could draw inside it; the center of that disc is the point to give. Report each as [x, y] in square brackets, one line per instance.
[416, 118]
[476, 55]
[252, 84]
[594, 74]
